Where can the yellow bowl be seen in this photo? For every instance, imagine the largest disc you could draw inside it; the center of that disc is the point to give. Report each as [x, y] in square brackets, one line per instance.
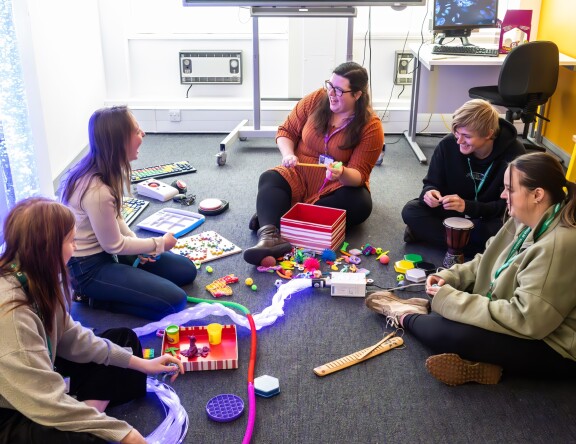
[403, 265]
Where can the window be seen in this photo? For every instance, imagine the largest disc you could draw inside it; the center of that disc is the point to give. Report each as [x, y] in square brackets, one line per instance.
[17, 162]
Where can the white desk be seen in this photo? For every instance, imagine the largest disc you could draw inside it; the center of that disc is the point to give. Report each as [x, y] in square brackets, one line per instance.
[443, 86]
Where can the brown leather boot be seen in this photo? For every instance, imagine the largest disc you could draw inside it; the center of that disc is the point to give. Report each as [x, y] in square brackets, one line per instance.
[270, 244]
[254, 223]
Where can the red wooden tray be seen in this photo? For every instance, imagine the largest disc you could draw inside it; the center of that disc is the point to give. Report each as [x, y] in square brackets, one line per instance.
[223, 356]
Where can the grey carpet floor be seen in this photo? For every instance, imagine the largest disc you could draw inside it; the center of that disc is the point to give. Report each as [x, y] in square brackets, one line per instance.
[389, 398]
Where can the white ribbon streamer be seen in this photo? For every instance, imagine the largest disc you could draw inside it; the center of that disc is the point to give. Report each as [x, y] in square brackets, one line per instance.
[263, 319]
[175, 426]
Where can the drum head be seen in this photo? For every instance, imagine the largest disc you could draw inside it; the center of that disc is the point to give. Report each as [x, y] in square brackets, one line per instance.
[458, 223]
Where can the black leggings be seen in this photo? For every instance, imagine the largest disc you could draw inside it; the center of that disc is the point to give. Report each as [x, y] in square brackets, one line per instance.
[275, 199]
[87, 381]
[427, 225]
[521, 357]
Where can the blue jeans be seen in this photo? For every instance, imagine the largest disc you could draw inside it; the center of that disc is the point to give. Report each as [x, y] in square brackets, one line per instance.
[150, 291]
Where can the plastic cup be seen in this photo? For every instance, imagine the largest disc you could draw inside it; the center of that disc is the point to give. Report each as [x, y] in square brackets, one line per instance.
[214, 333]
[173, 334]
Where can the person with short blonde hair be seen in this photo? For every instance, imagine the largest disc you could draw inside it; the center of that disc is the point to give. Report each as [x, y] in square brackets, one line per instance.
[465, 178]
[477, 115]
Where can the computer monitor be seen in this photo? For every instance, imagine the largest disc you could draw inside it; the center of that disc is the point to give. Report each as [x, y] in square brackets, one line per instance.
[457, 18]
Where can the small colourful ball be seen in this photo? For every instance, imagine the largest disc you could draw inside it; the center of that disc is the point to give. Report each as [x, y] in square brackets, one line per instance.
[328, 255]
[401, 285]
[209, 269]
[400, 277]
[384, 259]
[311, 264]
[249, 281]
[268, 261]
[254, 287]
[278, 283]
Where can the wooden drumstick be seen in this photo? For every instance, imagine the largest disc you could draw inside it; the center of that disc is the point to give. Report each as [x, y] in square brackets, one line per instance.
[371, 349]
[313, 165]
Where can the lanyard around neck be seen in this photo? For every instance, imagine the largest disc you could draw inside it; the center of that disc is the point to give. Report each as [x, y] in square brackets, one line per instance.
[478, 187]
[518, 243]
[328, 135]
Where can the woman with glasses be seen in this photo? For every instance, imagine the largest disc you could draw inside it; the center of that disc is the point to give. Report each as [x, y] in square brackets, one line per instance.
[334, 126]
[465, 178]
[102, 265]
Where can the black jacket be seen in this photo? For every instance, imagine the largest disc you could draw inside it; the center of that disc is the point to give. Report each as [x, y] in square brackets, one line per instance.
[449, 172]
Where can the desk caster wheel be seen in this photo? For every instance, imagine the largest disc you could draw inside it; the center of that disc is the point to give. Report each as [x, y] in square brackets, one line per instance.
[221, 158]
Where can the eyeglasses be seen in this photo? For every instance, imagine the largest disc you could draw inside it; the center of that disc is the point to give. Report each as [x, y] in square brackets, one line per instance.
[338, 91]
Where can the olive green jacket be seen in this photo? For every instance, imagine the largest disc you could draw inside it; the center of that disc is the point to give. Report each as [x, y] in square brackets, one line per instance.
[533, 298]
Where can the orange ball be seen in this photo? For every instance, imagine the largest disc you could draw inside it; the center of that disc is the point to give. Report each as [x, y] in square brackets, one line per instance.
[268, 261]
[384, 259]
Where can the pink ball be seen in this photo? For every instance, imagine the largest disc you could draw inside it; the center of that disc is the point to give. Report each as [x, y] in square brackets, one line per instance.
[311, 264]
[268, 261]
[384, 259]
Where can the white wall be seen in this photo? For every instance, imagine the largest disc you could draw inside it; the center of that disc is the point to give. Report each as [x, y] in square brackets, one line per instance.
[143, 39]
[79, 56]
[296, 56]
[64, 76]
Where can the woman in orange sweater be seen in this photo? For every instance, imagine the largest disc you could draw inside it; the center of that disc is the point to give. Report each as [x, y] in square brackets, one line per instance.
[334, 126]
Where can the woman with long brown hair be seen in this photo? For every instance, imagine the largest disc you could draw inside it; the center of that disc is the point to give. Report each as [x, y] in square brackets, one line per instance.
[57, 377]
[334, 126]
[101, 267]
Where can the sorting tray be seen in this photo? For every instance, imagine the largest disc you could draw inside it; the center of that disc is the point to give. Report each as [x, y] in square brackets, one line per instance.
[223, 356]
[172, 220]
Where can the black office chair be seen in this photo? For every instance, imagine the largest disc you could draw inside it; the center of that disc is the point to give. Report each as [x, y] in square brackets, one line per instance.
[528, 78]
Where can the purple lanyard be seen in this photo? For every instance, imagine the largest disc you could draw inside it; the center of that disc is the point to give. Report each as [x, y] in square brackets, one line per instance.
[327, 136]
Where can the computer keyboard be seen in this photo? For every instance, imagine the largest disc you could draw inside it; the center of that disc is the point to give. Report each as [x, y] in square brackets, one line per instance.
[131, 208]
[158, 171]
[465, 50]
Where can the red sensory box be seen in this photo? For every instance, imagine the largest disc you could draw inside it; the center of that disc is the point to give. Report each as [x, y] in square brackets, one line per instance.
[223, 356]
[314, 227]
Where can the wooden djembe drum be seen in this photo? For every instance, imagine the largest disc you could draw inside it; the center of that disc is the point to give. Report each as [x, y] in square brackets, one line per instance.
[458, 231]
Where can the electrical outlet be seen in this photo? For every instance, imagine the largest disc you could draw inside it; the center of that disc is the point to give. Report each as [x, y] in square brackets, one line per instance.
[403, 68]
[174, 115]
[385, 116]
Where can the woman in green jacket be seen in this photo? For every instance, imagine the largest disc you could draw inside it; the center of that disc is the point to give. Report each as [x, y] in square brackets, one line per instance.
[513, 308]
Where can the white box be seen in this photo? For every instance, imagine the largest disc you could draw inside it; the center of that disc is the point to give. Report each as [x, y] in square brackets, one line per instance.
[156, 190]
[348, 284]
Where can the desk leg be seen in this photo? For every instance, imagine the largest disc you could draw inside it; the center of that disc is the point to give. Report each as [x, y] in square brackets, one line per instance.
[242, 131]
[411, 133]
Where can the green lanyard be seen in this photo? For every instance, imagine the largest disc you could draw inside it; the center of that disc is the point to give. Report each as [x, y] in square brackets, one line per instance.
[478, 187]
[518, 243]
